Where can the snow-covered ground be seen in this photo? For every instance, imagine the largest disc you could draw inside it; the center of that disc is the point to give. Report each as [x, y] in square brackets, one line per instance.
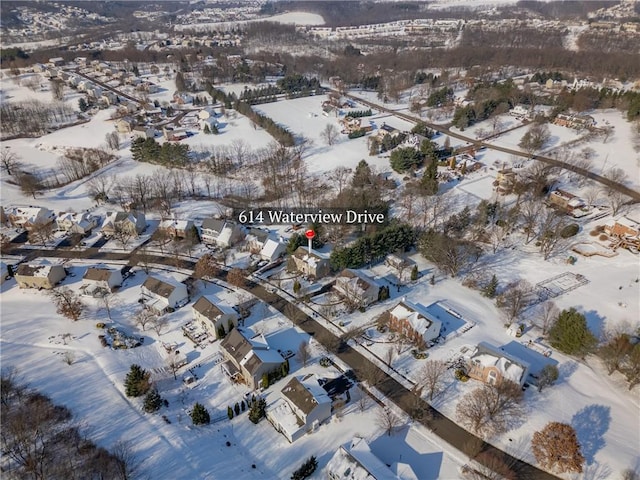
[34, 346]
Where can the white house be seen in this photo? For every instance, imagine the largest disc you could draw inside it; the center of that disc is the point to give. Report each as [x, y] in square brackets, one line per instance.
[272, 250]
[304, 405]
[39, 276]
[81, 223]
[28, 217]
[223, 233]
[358, 289]
[521, 111]
[161, 294]
[213, 315]
[100, 280]
[355, 461]
[132, 222]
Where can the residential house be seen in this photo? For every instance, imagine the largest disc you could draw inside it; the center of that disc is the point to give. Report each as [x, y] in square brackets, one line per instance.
[303, 406]
[255, 239]
[174, 134]
[574, 121]
[272, 250]
[505, 181]
[98, 281]
[163, 294]
[624, 227]
[124, 126]
[132, 222]
[358, 289]
[414, 323]
[72, 222]
[176, 228]
[349, 124]
[207, 118]
[220, 232]
[311, 264]
[39, 276]
[401, 265]
[29, 217]
[143, 132]
[385, 130]
[567, 203]
[521, 111]
[492, 365]
[248, 357]
[182, 98]
[216, 319]
[355, 461]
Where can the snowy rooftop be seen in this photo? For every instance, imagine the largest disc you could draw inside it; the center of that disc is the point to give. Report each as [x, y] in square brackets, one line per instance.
[419, 319]
[510, 367]
[355, 461]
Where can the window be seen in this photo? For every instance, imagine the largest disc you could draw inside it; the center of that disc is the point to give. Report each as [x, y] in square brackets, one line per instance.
[493, 377]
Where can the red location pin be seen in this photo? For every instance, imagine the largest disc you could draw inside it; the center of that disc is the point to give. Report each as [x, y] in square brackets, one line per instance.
[309, 234]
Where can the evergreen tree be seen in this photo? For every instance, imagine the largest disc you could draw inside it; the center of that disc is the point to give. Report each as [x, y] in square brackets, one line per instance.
[306, 469]
[236, 408]
[221, 332]
[414, 273]
[296, 287]
[570, 334]
[214, 129]
[230, 325]
[243, 406]
[295, 241]
[206, 130]
[265, 381]
[491, 289]
[257, 410]
[200, 415]
[429, 181]
[229, 412]
[405, 159]
[82, 104]
[136, 382]
[152, 401]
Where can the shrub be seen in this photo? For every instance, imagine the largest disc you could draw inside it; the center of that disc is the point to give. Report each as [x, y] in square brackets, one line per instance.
[257, 410]
[570, 230]
[100, 325]
[357, 133]
[461, 375]
[603, 237]
[325, 362]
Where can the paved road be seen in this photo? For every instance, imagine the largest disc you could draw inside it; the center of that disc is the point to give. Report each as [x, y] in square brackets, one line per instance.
[441, 426]
[633, 194]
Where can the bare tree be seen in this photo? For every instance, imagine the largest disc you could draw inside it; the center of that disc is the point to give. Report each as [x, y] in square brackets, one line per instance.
[57, 89]
[530, 212]
[329, 134]
[489, 465]
[547, 316]
[113, 140]
[29, 184]
[109, 301]
[67, 303]
[387, 420]
[556, 447]
[9, 160]
[144, 317]
[616, 199]
[68, 357]
[431, 377]
[489, 410]
[515, 299]
[128, 465]
[550, 225]
[389, 356]
[122, 234]
[363, 401]
[206, 267]
[304, 353]
[174, 364]
[535, 138]
[236, 277]
[158, 324]
[41, 233]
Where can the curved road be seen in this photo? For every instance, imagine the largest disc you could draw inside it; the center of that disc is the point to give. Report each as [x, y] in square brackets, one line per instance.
[633, 194]
[440, 425]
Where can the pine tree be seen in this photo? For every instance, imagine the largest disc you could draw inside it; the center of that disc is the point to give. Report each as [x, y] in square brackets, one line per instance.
[229, 412]
[221, 332]
[82, 104]
[200, 415]
[492, 288]
[265, 381]
[136, 382]
[236, 408]
[257, 410]
[296, 287]
[152, 401]
[230, 325]
[206, 130]
[243, 406]
[214, 129]
[414, 273]
[570, 334]
[556, 447]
